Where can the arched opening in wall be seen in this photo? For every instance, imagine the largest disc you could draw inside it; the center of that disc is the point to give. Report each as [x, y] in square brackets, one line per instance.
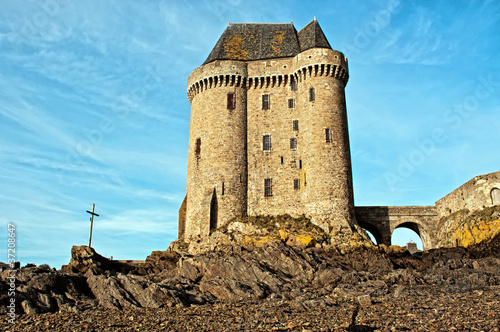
[372, 237]
[213, 211]
[372, 232]
[407, 235]
[495, 196]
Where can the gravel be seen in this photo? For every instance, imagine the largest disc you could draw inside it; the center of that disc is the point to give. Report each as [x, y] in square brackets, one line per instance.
[429, 308]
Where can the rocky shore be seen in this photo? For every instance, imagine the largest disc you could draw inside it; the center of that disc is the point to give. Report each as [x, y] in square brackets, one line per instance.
[274, 287]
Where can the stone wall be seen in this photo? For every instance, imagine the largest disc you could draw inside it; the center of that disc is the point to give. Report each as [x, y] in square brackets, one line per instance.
[277, 122]
[475, 194]
[217, 164]
[227, 165]
[328, 196]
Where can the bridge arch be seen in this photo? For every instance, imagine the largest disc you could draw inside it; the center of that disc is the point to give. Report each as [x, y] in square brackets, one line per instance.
[373, 230]
[418, 228]
[381, 221]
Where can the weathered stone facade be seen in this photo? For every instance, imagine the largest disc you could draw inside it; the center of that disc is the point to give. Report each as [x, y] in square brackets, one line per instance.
[480, 192]
[305, 164]
[269, 137]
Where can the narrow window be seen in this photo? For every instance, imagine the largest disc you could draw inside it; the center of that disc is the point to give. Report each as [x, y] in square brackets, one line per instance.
[231, 101]
[266, 102]
[296, 184]
[328, 135]
[293, 143]
[293, 84]
[268, 187]
[266, 142]
[291, 103]
[282, 159]
[296, 125]
[300, 163]
[495, 196]
[312, 95]
[197, 148]
[222, 193]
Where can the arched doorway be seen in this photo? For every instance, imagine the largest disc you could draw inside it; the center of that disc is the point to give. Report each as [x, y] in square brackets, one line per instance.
[495, 196]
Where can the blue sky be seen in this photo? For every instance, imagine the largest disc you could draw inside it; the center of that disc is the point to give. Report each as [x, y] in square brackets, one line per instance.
[94, 108]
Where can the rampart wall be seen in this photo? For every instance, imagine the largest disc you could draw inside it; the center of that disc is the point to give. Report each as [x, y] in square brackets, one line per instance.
[473, 195]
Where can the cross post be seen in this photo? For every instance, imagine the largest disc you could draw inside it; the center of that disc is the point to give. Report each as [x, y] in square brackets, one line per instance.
[92, 214]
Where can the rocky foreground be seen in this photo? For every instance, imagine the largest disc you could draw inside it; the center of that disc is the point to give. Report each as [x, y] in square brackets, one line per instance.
[275, 287]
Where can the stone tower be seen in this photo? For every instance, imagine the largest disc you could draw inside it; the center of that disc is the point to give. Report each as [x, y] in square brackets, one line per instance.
[268, 131]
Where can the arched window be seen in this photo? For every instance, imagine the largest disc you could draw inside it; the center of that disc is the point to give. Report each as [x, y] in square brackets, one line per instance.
[495, 196]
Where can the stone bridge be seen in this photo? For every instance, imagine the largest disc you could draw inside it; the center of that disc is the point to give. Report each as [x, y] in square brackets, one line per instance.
[381, 221]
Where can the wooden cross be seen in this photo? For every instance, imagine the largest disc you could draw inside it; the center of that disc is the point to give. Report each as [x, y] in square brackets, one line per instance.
[91, 223]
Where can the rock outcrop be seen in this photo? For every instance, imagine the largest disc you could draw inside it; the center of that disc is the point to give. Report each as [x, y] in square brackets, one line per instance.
[466, 228]
[84, 258]
[259, 231]
[274, 271]
[256, 259]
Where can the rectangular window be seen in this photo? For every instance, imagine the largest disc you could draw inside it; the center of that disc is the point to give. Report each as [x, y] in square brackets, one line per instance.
[266, 143]
[312, 95]
[293, 143]
[268, 187]
[222, 191]
[231, 101]
[197, 147]
[295, 125]
[266, 102]
[328, 135]
[293, 84]
[291, 103]
[296, 184]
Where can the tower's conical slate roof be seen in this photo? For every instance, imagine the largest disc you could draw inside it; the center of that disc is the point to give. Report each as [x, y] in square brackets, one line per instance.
[312, 36]
[257, 41]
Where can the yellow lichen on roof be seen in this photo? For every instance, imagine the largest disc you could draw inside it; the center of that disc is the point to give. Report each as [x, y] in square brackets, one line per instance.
[277, 42]
[234, 48]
